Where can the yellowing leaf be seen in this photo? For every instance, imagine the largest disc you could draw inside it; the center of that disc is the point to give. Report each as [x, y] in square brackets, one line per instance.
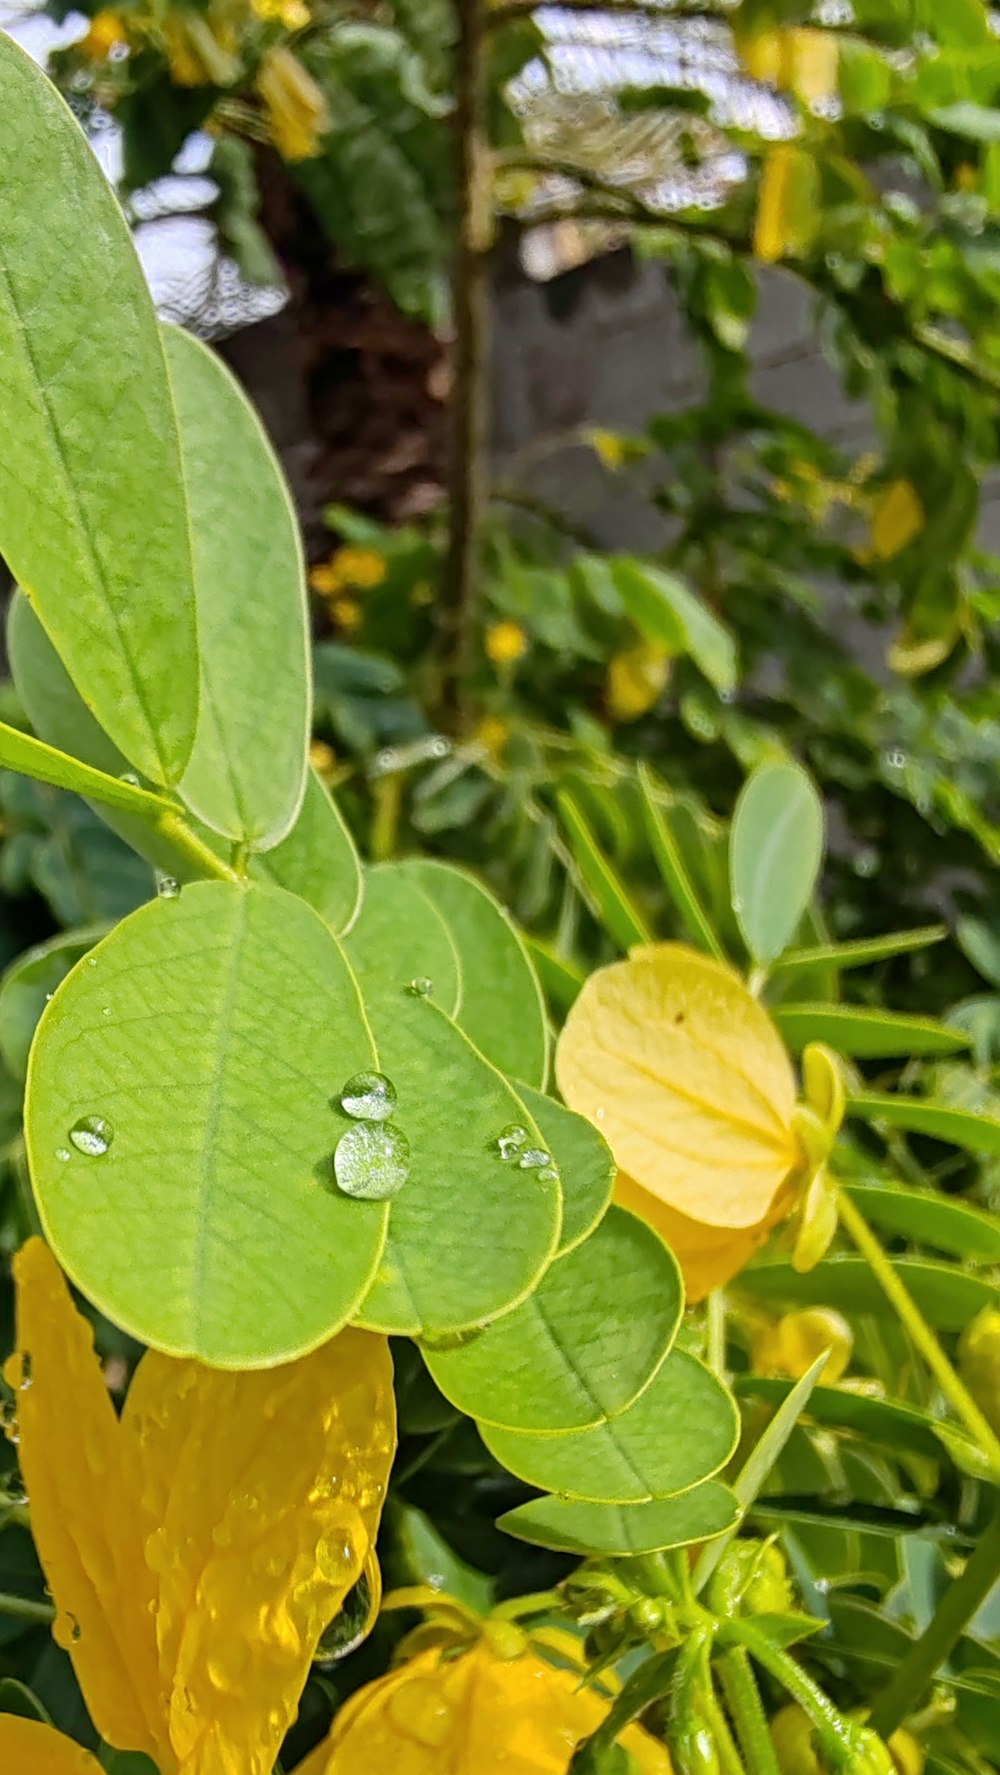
[897, 519]
[27, 1748]
[478, 1714]
[636, 678]
[788, 207]
[85, 1515]
[688, 1080]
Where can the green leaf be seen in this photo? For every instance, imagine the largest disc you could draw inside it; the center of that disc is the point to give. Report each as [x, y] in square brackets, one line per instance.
[929, 1218]
[681, 1429]
[775, 853]
[671, 866]
[559, 979]
[317, 860]
[30, 982]
[583, 1346]
[212, 1032]
[862, 952]
[865, 1033]
[921, 1115]
[93, 517]
[568, 1526]
[976, 123]
[583, 1158]
[400, 937]
[887, 1422]
[246, 774]
[501, 1007]
[948, 1297]
[16, 1698]
[419, 1555]
[618, 914]
[665, 610]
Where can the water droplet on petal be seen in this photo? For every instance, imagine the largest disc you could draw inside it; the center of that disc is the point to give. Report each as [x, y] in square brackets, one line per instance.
[351, 1627]
[368, 1097]
[92, 1135]
[420, 986]
[372, 1161]
[511, 1139]
[167, 886]
[534, 1158]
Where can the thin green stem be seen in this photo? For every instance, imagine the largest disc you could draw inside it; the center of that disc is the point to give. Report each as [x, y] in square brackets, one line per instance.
[739, 1685]
[21, 752]
[21, 1608]
[715, 1332]
[835, 1735]
[202, 859]
[730, 1760]
[920, 1333]
[927, 1654]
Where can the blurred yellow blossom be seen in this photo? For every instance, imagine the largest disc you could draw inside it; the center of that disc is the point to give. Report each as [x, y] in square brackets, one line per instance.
[791, 1345]
[323, 758]
[194, 1562]
[107, 32]
[798, 59]
[349, 568]
[492, 734]
[346, 613]
[506, 642]
[293, 14]
[636, 678]
[200, 51]
[295, 108]
[897, 520]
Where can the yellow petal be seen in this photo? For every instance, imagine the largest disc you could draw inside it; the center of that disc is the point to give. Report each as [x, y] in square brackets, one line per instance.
[688, 1080]
[897, 520]
[709, 1256]
[262, 1494]
[85, 1518]
[27, 1748]
[788, 207]
[636, 678]
[296, 110]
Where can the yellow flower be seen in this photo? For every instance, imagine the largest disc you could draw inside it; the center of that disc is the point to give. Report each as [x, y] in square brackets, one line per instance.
[346, 613]
[324, 579]
[979, 1363]
[798, 59]
[492, 734]
[478, 1713]
[323, 758]
[106, 33]
[506, 643]
[293, 14]
[897, 520]
[296, 111]
[362, 568]
[636, 678]
[199, 54]
[791, 1346]
[610, 449]
[198, 1546]
[689, 1082]
[788, 207]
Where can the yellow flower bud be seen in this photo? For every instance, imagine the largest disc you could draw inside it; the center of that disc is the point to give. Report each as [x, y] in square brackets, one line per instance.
[979, 1363]
[792, 1345]
[506, 643]
[906, 1753]
[296, 111]
[794, 1743]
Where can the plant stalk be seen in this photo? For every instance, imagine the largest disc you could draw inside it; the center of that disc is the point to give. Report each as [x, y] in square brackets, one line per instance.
[739, 1685]
[21, 1608]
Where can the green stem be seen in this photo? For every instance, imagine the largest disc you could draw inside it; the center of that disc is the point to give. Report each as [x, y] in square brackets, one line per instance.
[21, 1608]
[925, 1657]
[730, 1760]
[920, 1333]
[739, 1686]
[835, 1735]
[715, 1328]
[33, 758]
[203, 860]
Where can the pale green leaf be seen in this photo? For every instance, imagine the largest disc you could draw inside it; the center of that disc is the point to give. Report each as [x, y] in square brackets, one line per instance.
[948, 1297]
[401, 941]
[615, 908]
[567, 1525]
[864, 1032]
[317, 859]
[775, 853]
[29, 983]
[584, 1160]
[921, 1115]
[929, 1217]
[665, 610]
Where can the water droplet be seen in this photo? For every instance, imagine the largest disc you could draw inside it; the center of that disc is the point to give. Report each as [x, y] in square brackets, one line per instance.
[420, 986]
[548, 1174]
[92, 1135]
[372, 1160]
[105, 1010]
[534, 1158]
[167, 886]
[49, 996]
[599, 1115]
[9, 1421]
[439, 747]
[348, 1630]
[129, 776]
[368, 1097]
[896, 758]
[511, 1139]
[63, 1154]
[91, 961]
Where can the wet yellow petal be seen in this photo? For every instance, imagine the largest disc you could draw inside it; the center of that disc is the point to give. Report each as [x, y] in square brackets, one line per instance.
[473, 1715]
[27, 1748]
[262, 1494]
[688, 1080]
[84, 1510]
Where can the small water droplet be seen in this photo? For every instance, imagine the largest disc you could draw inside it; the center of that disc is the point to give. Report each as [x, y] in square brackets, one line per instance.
[49, 996]
[129, 776]
[896, 758]
[167, 886]
[91, 961]
[548, 1174]
[420, 986]
[92, 1135]
[9, 1422]
[372, 1161]
[63, 1154]
[105, 1010]
[511, 1139]
[440, 747]
[368, 1097]
[534, 1158]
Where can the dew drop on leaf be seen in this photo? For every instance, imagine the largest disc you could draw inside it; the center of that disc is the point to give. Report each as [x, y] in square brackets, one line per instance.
[368, 1097]
[511, 1139]
[167, 886]
[63, 1154]
[92, 1135]
[129, 776]
[372, 1161]
[548, 1174]
[420, 986]
[534, 1159]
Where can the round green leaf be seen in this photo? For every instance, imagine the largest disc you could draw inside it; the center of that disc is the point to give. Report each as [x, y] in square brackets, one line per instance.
[210, 1032]
[400, 940]
[865, 1033]
[584, 1160]
[93, 513]
[317, 860]
[775, 852]
[682, 1429]
[583, 1346]
[247, 772]
[567, 1525]
[501, 1008]
[29, 983]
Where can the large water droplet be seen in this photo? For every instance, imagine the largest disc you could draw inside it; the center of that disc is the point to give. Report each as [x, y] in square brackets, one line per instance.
[368, 1097]
[9, 1424]
[348, 1630]
[420, 986]
[372, 1160]
[534, 1159]
[92, 1135]
[511, 1139]
[167, 886]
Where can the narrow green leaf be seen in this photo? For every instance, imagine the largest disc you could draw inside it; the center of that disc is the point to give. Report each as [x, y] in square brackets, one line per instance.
[929, 1218]
[212, 1033]
[665, 610]
[501, 1007]
[16, 1698]
[246, 775]
[29, 983]
[761, 1460]
[620, 917]
[947, 1296]
[681, 1429]
[887, 1422]
[616, 1530]
[93, 516]
[675, 877]
[583, 1346]
[560, 980]
[34, 758]
[583, 1158]
[921, 1115]
[775, 853]
[318, 860]
[866, 1034]
[862, 952]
